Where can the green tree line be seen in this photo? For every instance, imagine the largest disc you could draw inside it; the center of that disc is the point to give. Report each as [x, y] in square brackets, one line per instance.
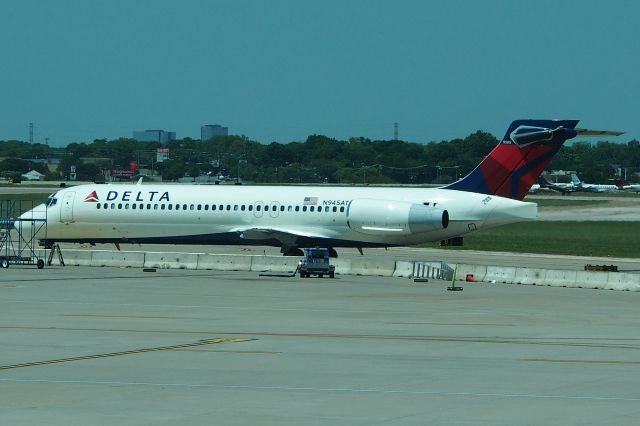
[319, 159]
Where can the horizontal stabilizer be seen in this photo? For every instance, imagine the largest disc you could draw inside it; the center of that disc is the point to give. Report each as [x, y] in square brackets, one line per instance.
[587, 132]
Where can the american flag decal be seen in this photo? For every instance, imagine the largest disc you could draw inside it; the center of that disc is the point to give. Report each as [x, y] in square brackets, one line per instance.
[310, 201]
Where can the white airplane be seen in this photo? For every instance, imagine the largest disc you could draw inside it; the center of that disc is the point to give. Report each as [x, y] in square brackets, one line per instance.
[293, 217]
[590, 187]
[564, 188]
[629, 187]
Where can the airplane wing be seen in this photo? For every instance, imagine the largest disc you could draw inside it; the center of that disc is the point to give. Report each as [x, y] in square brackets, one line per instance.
[286, 236]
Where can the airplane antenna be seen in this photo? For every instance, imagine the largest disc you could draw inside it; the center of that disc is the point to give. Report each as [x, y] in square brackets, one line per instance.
[30, 132]
[395, 131]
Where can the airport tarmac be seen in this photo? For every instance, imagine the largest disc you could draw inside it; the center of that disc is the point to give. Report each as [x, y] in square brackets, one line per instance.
[106, 346]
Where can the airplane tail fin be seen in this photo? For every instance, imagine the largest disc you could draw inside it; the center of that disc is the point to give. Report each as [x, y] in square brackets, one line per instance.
[575, 179]
[519, 159]
[619, 182]
[543, 182]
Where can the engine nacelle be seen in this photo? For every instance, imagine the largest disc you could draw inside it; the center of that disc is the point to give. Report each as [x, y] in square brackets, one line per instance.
[385, 217]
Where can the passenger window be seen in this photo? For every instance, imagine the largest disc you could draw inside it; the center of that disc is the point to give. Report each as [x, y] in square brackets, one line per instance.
[258, 207]
[199, 206]
[126, 206]
[162, 207]
[251, 208]
[297, 208]
[149, 206]
[341, 209]
[134, 206]
[105, 206]
[312, 208]
[304, 208]
[119, 206]
[206, 206]
[335, 209]
[184, 207]
[289, 208]
[281, 208]
[242, 207]
[326, 209]
[213, 207]
[141, 206]
[155, 207]
[235, 208]
[98, 205]
[192, 207]
[170, 206]
[266, 208]
[228, 207]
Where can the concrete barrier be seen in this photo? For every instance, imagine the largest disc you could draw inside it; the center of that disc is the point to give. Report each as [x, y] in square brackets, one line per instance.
[133, 259]
[274, 263]
[479, 272]
[622, 281]
[379, 267]
[501, 274]
[343, 266]
[530, 276]
[403, 269]
[224, 262]
[74, 257]
[560, 278]
[356, 266]
[589, 279]
[171, 260]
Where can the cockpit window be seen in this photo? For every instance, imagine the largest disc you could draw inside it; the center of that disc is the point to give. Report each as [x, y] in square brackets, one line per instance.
[51, 201]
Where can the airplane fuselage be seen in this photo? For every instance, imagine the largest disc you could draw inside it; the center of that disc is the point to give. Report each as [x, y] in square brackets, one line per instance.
[288, 216]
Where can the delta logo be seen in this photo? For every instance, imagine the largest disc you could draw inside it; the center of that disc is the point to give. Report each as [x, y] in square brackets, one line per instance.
[91, 198]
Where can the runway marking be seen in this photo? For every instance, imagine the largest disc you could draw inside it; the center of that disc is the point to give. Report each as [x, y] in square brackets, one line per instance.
[582, 361]
[453, 323]
[121, 353]
[133, 316]
[231, 351]
[332, 390]
[591, 342]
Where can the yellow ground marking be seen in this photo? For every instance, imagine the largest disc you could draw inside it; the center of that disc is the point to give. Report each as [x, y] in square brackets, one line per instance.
[131, 352]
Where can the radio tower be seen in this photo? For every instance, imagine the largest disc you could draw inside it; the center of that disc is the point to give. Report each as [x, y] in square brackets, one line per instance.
[30, 132]
[395, 131]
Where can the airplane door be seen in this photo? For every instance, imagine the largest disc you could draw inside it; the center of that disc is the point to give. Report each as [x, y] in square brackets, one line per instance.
[66, 209]
[257, 208]
[273, 211]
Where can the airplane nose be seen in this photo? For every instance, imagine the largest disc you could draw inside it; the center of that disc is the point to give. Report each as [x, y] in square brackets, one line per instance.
[32, 221]
[38, 213]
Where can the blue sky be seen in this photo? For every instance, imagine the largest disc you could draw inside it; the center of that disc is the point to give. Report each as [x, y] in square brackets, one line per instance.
[281, 70]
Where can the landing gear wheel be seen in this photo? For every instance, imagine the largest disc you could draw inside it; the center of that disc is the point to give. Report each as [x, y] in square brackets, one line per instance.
[4, 263]
[292, 251]
[40, 263]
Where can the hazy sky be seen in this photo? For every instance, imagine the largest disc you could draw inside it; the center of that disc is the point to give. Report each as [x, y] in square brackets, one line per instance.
[281, 70]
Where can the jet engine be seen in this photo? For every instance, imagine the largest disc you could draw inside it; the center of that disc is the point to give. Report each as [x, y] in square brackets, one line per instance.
[384, 217]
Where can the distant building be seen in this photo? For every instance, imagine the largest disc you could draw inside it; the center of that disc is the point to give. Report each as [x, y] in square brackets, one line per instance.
[154, 136]
[209, 131]
[33, 175]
